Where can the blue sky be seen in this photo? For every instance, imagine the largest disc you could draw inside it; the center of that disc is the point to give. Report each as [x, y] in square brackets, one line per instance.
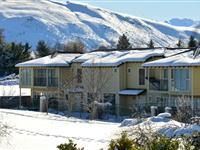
[152, 9]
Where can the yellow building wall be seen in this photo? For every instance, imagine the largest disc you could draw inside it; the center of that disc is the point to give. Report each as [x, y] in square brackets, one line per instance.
[107, 75]
[122, 77]
[133, 77]
[196, 81]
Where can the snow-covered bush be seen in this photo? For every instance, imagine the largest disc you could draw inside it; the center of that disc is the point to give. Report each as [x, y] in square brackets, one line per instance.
[130, 122]
[195, 120]
[164, 115]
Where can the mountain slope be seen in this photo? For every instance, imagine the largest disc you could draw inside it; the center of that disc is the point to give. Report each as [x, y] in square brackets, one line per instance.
[33, 20]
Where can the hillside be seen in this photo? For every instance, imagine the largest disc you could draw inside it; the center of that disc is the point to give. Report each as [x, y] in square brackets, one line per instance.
[33, 20]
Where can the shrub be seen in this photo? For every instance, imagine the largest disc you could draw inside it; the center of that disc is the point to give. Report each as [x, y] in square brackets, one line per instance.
[69, 146]
[123, 143]
[162, 143]
[157, 142]
[191, 141]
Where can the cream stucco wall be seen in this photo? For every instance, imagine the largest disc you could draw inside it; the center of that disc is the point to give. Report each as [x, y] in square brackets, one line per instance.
[196, 81]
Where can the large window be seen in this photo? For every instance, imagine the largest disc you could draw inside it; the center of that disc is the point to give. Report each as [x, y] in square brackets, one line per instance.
[141, 76]
[180, 80]
[40, 77]
[46, 77]
[52, 78]
[26, 77]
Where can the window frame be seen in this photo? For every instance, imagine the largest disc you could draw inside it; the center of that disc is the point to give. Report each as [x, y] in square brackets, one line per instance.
[178, 85]
[142, 77]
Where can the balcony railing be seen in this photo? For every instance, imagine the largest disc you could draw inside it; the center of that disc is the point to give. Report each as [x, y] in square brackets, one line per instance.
[158, 84]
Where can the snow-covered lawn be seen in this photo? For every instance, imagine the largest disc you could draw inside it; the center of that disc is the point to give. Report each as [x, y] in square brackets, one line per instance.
[35, 130]
[39, 131]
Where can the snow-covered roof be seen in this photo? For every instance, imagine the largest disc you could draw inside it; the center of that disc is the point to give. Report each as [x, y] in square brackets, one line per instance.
[171, 52]
[131, 92]
[60, 60]
[100, 58]
[111, 59]
[116, 58]
[184, 59]
[88, 56]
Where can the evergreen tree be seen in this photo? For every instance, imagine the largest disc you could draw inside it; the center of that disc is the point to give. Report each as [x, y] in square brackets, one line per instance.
[16, 53]
[179, 43]
[27, 46]
[42, 49]
[123, 43]
[151, 44]
[192, 42]
[2, 42]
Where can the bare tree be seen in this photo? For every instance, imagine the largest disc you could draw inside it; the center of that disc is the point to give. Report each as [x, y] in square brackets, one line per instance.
[184, 110]
[68, 87]
[76, 46]
[96, 81]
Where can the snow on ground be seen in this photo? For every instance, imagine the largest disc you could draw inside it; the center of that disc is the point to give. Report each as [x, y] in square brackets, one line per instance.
[9, 86]
[35, 130]
[162, 124]
[13, 90]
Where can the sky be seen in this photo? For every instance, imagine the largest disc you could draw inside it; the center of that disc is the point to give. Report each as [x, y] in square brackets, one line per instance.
[160, 10]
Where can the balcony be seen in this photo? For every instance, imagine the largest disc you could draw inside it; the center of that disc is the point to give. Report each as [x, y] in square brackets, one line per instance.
[158, 84]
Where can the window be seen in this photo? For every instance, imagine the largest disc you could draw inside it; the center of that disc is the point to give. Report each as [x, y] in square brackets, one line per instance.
[79, 75]
[129, 70]
[180, 80]
[66, 97]
[25, 77]
[141, 76]
[165, 74]
[52, 78]
[40, 77]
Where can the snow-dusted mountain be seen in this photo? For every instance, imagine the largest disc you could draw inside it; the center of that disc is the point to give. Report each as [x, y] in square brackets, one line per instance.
[33, 20]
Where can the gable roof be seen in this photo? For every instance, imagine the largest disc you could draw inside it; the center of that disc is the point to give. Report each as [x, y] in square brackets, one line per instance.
[184, 59]
[99, 58]
[116, 58]
[60, 60]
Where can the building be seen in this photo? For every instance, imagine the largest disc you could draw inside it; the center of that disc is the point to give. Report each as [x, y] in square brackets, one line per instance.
[70, 81]
[174, 81]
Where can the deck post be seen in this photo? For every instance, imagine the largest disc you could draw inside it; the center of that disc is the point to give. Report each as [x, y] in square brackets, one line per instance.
[20, 98]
